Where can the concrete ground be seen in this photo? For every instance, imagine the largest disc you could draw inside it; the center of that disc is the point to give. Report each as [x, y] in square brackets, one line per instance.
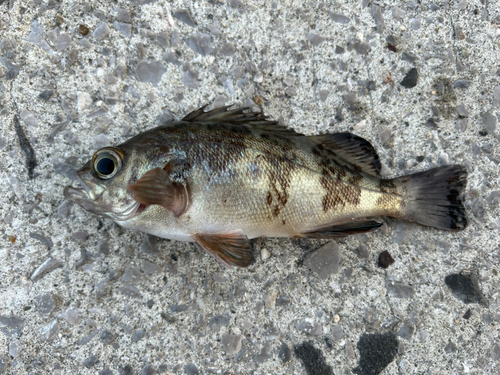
[79, 295]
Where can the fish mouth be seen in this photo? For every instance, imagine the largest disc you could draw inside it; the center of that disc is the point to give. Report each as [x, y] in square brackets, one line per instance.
[92, 200]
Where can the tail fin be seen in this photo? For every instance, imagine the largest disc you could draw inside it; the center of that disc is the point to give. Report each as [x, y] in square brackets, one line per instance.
[435, 197]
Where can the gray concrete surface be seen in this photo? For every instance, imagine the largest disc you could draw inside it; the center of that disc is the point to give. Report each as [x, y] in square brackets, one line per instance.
[118, 302]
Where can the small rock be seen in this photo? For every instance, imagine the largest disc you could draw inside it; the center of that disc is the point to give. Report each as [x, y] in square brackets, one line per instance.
[178, 308]
[462, 83]
[130, 291]
[149, 245]
[462, 124]
[339, 50]
[315, 39]
[132, 275]
[339, 18]
[183, 15]
[217, 321]
[86, 339]
[489, 122]
[270, 298]
[100, 141]
[265, 353]
[90, 361]
[379, 19]
[406, 331]
[415, 23]
[123, 15]
[150, 71]
[385, 135]
[362, 48]
[408, 57]
[150, 268]
[411, 78]
[11, 321]
[84, 101]
[107, 337]
[385, 259]
[101, 31]
[200, 43]
[323, 95]
[126, 370]
[14, 348]
[450, 348]
[50, 331]
[72, 316]
[496, 96]
[46, 95]
[310, 327]
[265, 253]
[324, 261]
[284, 353]
[376, 352]
[400, 290]
[46, 267]
[148, 370]
[362, 251]
[228, 49]
[63, 42]
[45, 303]
[191, 369]
[124, 28]
[232, 344]
[462, 110]
[138, 335]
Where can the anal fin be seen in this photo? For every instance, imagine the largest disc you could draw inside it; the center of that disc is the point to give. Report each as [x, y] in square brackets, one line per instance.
[156, 187]
[230, 249]
[342, 230]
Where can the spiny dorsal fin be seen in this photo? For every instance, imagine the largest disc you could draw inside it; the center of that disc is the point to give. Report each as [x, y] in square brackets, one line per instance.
[238, 117]
[230, 249]
[353, 149]
[342, 230]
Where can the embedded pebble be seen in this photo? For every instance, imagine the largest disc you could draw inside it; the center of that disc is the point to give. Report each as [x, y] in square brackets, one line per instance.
[406, 331]
[46, 267]
[323, 95]
[150, 268]
[232, 344]
[496, 96]
[376, 351]
[337, 332]
[130, 291]
[101, 31]
[107, 337]
[385, 259]
[339, 18]
[411, 79]
[14, 348]
[171, 58]
[265, 253]
[315, 39]
[148, 370]
[84, 101]
[178, 308]
[270, 298]
[46, 95]
[138, 335]
[228, 49]
[399, 290]
[191, 369]
[310, 327]
[86, 339]
[132, 275]
[123, 15]
[11, 321]
[362, 48]
[90, 361]
[100, 140]
[49, 331]
[183, 15]
[72, 316]
[462, 110]
[44, 240]
[379, 18]
[325, 261]
[80, 236]
[385, 135]
[462, 83]
[45, 303]
[150, 71]
[217, 321]
[124, 28]
[200, 43]
[190, 79]
[284, 354]
[265, 353]
[63, 42]
[408, 57]
[489, 122]
[149, 245]
[415, 23]
[462, 124]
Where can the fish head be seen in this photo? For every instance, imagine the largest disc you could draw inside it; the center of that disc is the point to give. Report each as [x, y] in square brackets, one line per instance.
[104, 183]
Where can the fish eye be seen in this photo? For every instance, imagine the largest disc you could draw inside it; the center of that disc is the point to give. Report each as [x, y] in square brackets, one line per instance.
[107, 162]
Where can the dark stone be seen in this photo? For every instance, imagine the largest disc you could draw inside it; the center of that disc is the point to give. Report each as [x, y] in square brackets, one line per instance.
[376, 352]
[450, 348]
[126, 370]
[385, 259]
[148, 370]
[191, 369]
[465, 287]
[184, 16]
[177, 308]
[46, 95]
[313, 359]
[411, 78]
[138, 335]
[90, 361]
[467, 314]
[285, 354]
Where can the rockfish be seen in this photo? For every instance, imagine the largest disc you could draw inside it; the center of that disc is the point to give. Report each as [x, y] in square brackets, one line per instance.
[222, 177]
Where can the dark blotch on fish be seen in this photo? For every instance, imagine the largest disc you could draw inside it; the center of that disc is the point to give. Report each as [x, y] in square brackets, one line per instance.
[26, 147]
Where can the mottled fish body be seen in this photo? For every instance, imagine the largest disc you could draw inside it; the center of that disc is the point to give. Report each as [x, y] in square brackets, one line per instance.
[223, 177]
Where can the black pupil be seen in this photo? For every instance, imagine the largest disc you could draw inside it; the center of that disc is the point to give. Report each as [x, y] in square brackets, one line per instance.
[105, 166]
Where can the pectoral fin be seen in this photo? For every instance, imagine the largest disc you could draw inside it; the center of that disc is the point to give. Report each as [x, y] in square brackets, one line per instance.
[342, 230]
[230, 249]
[156, 187]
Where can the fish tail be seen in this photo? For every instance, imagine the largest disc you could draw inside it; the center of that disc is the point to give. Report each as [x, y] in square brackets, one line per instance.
[435, 197]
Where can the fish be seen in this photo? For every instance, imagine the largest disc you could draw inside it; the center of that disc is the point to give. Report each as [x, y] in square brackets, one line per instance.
[222, 177]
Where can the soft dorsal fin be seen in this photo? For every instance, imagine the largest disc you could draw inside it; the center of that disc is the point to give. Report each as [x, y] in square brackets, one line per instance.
[156, 187]
[342, 230]
[230, 249]
[353, 149]
[238, 116]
